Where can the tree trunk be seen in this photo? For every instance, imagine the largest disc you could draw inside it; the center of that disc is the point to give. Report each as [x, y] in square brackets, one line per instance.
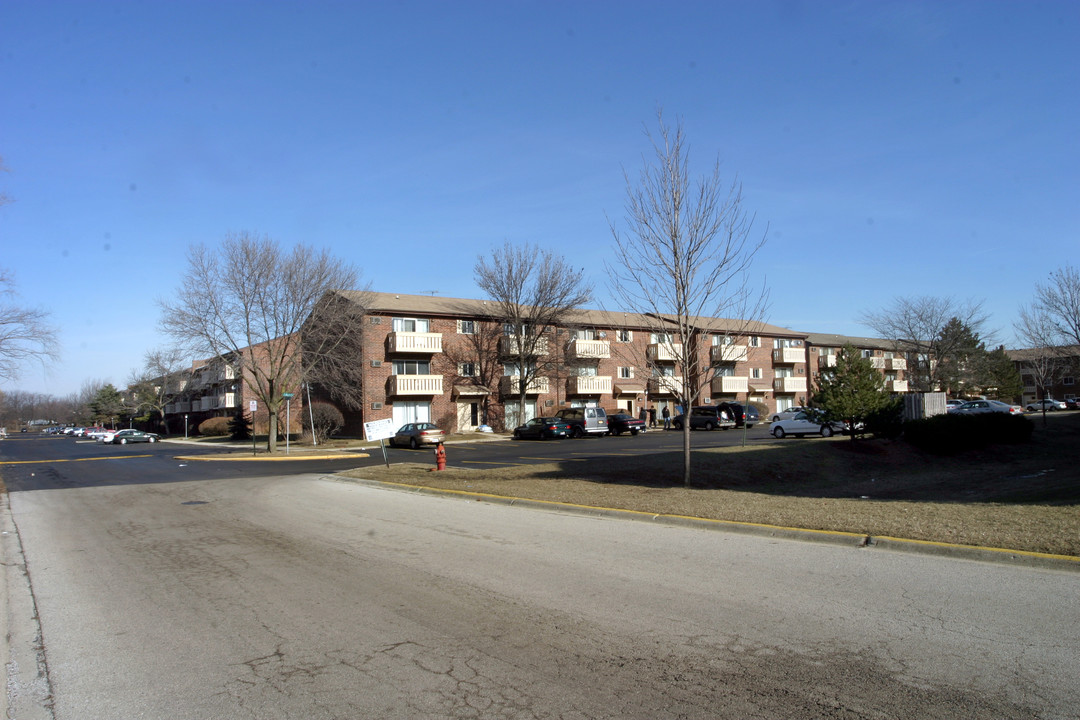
[271, 440]
[686, 448]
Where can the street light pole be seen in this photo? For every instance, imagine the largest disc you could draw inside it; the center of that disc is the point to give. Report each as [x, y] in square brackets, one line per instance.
[185, 426]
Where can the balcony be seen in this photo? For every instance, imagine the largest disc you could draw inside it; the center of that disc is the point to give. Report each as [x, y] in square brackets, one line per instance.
[896, 386]
[729, 353]
[414, 385]
[510, 346]
[895, 364]
[204, 403]
[588, 385]
[878, 363]
[666, 385]
[414, 342]
[664, 352]
[579, 349]
[788, 355]
[728, 385]
[789, 384]
[226, 401]
[511, 385]
[826, 361]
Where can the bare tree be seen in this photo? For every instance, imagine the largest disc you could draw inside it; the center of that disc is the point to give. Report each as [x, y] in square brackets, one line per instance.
[162, 381]
[333, 346]
[1042, 359]
[683, 262]
[535, 292]
[25, 333]
[474, 359]
[247, 301]
[1057, 305]
[917, 327]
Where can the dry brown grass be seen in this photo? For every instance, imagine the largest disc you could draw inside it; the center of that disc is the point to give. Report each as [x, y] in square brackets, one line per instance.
[1024, 497]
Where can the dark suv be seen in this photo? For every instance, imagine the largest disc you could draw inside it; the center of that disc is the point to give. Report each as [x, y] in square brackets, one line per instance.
[738, 411]
[706, 417]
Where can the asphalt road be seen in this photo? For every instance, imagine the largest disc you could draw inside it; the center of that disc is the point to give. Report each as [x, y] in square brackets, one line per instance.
[138, 586]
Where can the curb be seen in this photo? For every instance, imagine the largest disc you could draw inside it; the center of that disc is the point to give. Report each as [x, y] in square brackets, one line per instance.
[267, 458]
[1005, 556]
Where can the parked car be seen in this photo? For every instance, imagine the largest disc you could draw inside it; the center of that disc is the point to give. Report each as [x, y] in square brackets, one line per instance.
[545, 428]
[416, 434]
[706, 417]
[950, 404]
[620, 422]
[987, 406]
[123, 437]
[585, 421]
[808, 422]
[786, 414]
[1047, 404]
[107, 436]
[742, 414]
[96, 433]
[1072, 403]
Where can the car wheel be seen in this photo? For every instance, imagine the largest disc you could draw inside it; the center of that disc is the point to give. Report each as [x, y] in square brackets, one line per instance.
[123, 441]
[778, 433]
[826, 431]
[517, 435]
[708, 426]
[153, 440]
[578, 432]
[634, 431]
[678, 425]
[413, 444]
[775, 418]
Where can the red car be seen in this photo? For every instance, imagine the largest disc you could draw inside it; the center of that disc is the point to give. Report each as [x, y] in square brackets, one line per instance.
[620, 422]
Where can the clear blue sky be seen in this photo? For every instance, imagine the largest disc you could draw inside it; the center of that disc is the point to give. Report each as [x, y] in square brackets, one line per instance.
[893, 148]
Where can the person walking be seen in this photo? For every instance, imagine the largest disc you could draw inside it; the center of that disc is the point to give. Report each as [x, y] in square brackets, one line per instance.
[652, 416]
[666, 414]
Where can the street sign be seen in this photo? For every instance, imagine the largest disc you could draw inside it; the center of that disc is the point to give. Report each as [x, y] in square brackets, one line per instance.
[253, 405]
[379, 429]
[286, 396]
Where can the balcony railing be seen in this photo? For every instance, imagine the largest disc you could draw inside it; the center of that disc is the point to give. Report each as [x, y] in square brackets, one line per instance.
[588, 385]
[510, 345]
[665, 352]
[789, 384]
[789, 355]
[414, 385]
[897, 386]
[878, 363]
[511, 385]
[415, 342]
[729, 353]
[666, 385]
[895, 364]
[826, 361]
[226, 401]
[579, 349]
[728, 385]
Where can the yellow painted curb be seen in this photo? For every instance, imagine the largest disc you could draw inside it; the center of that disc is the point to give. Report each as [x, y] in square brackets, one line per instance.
[268, 458]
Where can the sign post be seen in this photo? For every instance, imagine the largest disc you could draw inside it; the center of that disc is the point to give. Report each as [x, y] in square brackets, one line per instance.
[288, 418]
[252, 407]
[380, 430]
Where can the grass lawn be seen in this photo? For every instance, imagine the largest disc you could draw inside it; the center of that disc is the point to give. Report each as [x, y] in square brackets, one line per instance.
[1020, 497]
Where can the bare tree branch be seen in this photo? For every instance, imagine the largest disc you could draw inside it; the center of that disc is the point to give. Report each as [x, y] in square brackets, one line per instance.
[25, 333]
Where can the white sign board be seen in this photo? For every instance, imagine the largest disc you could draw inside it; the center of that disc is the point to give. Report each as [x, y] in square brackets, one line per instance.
[253, 406]
[379, 429]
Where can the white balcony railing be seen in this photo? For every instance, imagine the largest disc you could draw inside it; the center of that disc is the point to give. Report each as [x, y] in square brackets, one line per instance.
[789, 384]
[665, 352]
[415, 342]
[666, 385]
[826, 361]
[729, 353]
[579, 349]
[897, 386]
[728, 385]
[878, 363]
[510, 345]
[895, 364]
[789, 355]
[511, 385]
[589, 385]
[414, 385]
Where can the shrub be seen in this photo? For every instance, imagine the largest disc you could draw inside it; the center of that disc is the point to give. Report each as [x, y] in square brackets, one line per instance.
[214, 426]
[327, 420]
[240, 427]
[888, 420]
[952, 433]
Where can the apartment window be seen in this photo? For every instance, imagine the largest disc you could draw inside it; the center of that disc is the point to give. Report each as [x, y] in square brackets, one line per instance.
[511, 369]
[1067, 381]
[868, 353]
[624, 336]
[584, 334]
[411, 325]
[725, 340]
[626, 373]
[755, 341]
[412, 367]
[657, 338]
[526, 329]
[725, 370]
[663, 371]
[467, 369]
[755, 373]
[782, 372]
[779, 343]
[466, 327]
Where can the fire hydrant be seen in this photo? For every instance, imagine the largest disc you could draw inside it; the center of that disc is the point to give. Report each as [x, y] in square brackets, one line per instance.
[440, 456]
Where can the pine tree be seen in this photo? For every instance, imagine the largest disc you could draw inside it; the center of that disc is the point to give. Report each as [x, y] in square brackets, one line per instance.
[852, 390]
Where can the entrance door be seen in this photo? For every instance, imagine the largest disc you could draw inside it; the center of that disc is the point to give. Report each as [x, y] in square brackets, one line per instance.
[468, 416]
[411, 411]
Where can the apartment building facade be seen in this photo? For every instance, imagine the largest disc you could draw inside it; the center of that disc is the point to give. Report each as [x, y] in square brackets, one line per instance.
[823, 349]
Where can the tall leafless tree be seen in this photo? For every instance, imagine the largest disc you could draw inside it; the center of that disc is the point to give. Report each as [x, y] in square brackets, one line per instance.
[333, 349]
[247, 301]
[534, 291]
[1057, 304]
[162, 381]
[477, 349]
[1042, 358]
[684, 259]
[25, 332]
[916, 326]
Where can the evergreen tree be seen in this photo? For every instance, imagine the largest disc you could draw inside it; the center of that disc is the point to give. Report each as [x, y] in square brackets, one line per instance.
[107, 405]
[240, 427]
[851, 390]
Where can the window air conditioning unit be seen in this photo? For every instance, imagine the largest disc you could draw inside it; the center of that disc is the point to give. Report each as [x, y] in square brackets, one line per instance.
[376, 320]
[376, 406]
[376, 363]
